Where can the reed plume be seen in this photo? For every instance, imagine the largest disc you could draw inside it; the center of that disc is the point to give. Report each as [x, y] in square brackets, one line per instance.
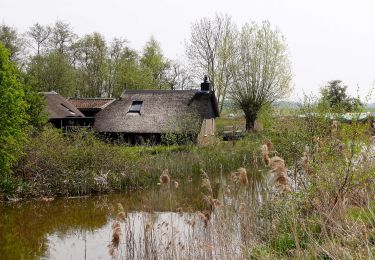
[206, 184]
[305, 161]
[121, 216]
[278, 175]
[265, 155]
[164, 177]
[242, 176]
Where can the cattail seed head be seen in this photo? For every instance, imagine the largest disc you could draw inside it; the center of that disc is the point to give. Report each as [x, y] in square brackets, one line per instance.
[206, 184]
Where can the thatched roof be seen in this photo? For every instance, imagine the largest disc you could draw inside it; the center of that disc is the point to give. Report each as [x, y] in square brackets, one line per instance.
[161, 111]
[59, 107]
[91, 104]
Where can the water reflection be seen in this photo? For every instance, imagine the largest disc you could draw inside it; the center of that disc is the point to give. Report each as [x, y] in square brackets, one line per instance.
[80, 228]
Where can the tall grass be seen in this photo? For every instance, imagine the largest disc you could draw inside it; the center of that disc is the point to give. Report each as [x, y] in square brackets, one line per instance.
[78, 164]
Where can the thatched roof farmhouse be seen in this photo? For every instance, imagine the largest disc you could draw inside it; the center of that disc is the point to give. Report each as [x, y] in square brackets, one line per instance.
[149, 115]
[62, 113]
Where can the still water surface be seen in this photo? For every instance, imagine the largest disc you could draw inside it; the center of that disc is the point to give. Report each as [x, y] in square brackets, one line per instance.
[81, 228]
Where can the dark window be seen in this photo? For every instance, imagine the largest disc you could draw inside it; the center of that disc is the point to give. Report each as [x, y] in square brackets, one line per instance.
[136, 107]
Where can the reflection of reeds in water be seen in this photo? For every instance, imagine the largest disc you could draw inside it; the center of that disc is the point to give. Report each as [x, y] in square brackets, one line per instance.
[217, 231]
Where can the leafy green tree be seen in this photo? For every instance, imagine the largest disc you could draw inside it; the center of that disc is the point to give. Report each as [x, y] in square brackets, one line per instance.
[262, 73]
[10, 38]
[334, 95]
[52, 71]
[92, 66]
[154, 64]
[13, 115]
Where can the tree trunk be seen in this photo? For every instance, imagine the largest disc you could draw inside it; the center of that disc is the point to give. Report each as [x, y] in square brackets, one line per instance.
[250, 121]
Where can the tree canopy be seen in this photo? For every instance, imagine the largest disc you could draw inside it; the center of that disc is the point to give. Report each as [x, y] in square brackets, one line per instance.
[262, 71]
[335, 97]
[13, 113]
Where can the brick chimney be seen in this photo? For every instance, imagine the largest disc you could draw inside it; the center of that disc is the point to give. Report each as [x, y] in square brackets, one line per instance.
[205, 85]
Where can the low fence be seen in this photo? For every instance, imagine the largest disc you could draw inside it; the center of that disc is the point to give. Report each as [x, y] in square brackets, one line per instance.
[232, 132]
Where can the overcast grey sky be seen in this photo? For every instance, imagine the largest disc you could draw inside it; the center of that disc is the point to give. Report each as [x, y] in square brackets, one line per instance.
[328, 39]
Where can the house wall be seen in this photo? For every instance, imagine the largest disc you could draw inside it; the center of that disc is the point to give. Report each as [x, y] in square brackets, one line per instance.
[207, 135]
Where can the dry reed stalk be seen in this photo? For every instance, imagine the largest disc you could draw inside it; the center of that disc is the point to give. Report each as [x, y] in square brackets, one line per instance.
[204, 174]
[120, 207]
[191, 223]
[234, 177]
[255, 159]
[265, 152]
[276, 162]
[334, 128]
[278, 176]
[269, 144]
[242, 175]
[203, 217]
[164, 177]
[206, 184]
[217, 203]
[121, 216]
[115, 242]
[306, 163]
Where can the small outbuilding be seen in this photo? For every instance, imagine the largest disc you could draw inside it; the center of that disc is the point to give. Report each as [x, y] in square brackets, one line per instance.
[160, 116]
[63, 114]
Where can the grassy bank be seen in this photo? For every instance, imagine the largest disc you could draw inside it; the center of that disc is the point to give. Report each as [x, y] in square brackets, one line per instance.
[77, 164]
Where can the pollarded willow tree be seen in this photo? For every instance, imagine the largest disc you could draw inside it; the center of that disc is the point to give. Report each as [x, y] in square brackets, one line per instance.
[262, 72]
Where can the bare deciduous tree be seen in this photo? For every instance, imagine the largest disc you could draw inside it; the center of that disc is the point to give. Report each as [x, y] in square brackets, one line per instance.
[210, 51]
[262, 73]
[179, 76]
[38, 34]
[62, 37]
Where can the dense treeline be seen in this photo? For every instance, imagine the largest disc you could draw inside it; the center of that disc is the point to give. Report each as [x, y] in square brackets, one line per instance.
[56, 58]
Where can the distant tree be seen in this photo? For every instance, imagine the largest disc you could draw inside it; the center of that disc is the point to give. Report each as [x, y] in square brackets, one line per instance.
[335, 96]
[13, 114]
[53, 71]
[211, 50]
[262, 73]
[62, 37]
[12, 41]
[155, 64]
[92, 65]
[38, 36]
[179, 77]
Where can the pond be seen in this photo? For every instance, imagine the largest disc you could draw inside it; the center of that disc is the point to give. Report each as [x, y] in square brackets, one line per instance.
[166, 222]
